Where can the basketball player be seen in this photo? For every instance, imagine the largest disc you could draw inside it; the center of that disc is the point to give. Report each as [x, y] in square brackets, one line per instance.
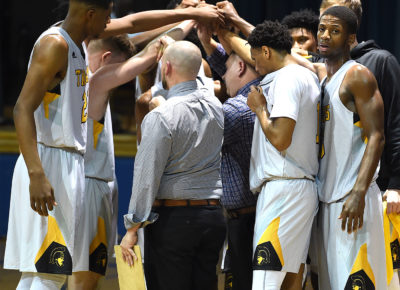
[350, 226]
[48, 186]
[283, 161]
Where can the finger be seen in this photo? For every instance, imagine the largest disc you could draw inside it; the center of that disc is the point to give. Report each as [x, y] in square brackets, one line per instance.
[33, 204]
[355, 224]
[389, 208]
[129, 258]
[38, 208]
[360, 222]
[54, 199]
[350, 224]
[50, 203]
[133, 254]
[43, 205]
[344, 220]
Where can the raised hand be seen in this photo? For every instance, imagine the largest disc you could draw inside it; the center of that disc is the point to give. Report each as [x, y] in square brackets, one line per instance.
[209, 14]
[256, 100]
[228, 10]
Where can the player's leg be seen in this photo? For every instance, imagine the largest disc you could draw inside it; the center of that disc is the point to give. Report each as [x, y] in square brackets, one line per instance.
[294, 281]
[43, 281]
[26, 281]
[84, 280]
[268, 280]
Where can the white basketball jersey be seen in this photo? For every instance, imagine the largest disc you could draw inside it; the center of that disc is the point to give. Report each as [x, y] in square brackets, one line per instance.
[99, 157]
[343, 144]
[61, 117]
[294, 93]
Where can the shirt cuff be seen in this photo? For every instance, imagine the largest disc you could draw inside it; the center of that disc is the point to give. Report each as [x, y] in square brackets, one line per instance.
[217, 60]
[131, 221]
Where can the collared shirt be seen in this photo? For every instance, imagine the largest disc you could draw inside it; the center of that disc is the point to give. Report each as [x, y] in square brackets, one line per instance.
[180, 153]
[238, 135]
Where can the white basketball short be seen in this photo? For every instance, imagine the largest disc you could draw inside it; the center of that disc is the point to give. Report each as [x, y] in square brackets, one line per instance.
[357, 260]
[47, 244]
[114, 225]
[284, 217]
[98, 231]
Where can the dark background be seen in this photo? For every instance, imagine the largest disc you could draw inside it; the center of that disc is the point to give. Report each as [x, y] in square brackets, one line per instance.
[23, 21]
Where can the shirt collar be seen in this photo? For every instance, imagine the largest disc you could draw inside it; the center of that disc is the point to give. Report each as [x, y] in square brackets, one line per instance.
[181, 89]
[244, 91]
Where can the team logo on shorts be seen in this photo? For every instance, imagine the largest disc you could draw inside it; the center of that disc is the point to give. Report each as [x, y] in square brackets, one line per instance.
[98, 260]
[228, 281]
[359, 281]
[361, 275]
[268, 254]
[395, 249]
[266, 258]
[56, 259]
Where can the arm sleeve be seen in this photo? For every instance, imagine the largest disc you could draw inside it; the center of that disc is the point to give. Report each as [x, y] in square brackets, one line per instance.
[391, 95]
[150, 163]
[287, 93]
[217, 60]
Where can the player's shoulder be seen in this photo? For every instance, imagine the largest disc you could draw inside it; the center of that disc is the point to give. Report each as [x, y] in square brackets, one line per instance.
[52, 42]
[359, 73]
[359, 77]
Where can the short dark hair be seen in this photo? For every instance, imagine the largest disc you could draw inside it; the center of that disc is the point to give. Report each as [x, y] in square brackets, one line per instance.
[346, 15]
[305, 18]
[272, 34]
[98, 3]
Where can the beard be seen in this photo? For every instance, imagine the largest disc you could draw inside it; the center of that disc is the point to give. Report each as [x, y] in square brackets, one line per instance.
[163, 81]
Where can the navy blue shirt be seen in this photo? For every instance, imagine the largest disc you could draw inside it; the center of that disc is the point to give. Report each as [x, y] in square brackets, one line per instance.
[236, 148]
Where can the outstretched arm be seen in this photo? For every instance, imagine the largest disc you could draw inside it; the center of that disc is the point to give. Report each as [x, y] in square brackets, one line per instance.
[148, 20]
[233, 17]
[48, 67]
[111, 76]
[238, 45]
[361, 85]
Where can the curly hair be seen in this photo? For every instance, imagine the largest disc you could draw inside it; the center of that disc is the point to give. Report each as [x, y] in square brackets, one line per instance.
[306, 19]
[272, 34]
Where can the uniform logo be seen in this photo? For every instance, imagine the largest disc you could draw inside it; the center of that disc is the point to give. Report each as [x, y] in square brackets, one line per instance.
[266, 258]
[395, 249]
[359, 281]
[56, 260]
[98, 260]
[74, 55]
[57, 256]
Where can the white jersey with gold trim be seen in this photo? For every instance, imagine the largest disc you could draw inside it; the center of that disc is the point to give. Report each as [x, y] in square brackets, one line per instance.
[61, 117]
[294, 93]
[99, 157]
[343, 145]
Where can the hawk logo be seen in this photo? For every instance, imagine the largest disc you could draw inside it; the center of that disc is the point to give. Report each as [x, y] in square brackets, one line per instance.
[57, 256]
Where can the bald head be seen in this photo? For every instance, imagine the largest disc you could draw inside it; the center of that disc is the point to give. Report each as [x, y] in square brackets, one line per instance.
[184, 58]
